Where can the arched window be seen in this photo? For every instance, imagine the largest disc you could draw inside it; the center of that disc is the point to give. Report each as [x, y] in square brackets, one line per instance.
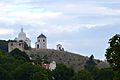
[43, 40]
[37, 45]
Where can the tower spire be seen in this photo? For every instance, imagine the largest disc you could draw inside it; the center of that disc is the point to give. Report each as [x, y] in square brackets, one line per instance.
[21, 29]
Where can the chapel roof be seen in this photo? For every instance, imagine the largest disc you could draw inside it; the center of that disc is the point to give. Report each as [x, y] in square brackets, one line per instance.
[41, 36]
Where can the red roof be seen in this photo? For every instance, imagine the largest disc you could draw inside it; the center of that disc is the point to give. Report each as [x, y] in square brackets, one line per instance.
[46, 66]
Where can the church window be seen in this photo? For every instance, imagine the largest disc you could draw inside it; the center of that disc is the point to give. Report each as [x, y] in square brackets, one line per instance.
[38, 46]
[44, 44]
[43, 40]
[19, 44]
[38, 40]
[11, 44]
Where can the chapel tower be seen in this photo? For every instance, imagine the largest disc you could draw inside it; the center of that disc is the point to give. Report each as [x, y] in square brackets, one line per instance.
[41, 42]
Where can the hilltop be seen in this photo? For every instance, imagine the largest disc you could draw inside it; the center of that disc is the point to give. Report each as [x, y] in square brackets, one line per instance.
[72, 60]
[75, 61]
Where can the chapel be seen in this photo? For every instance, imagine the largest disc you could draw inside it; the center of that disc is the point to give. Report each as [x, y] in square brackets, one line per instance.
[22, 36]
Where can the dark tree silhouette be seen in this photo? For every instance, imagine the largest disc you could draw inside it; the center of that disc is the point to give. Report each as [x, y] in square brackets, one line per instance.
[113, 52]
[19, 55]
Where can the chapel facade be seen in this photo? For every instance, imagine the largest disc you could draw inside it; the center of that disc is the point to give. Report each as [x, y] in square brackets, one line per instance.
[41, 42]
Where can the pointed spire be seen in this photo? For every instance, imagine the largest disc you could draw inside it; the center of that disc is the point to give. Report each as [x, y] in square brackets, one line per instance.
[21, 29]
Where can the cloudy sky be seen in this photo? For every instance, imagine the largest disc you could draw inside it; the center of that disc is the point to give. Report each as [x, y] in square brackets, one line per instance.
[81, 26]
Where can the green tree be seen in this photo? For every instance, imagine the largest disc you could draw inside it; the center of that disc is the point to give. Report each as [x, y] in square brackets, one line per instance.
[6, 61]
[4, 45]
[82, 75]
[117, 75]
[4, 75]
[113, 52]
[62, 72]
[19, 55]
[37, 59]
[39, 76]
[90, 66]
[105, 74]
[27, 71]
[90, 63]
[113, 55]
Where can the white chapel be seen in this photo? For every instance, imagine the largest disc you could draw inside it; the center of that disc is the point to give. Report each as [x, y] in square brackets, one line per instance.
[22, 36]
[41, 42]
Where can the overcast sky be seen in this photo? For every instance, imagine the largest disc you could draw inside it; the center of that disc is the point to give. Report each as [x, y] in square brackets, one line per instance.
[81, 26]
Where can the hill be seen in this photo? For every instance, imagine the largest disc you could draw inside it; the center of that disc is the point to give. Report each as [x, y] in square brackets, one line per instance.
[72, 60]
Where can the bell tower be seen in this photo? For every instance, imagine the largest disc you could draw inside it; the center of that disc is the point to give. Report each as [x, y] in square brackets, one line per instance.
[41, 42]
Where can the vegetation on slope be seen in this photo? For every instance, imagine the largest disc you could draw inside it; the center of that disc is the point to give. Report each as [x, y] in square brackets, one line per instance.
[16, 66]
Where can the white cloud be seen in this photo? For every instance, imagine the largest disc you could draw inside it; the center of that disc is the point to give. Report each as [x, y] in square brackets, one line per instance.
[58, 13]
[6, 31]
[88, 9]
[24, 13]
[69, 28]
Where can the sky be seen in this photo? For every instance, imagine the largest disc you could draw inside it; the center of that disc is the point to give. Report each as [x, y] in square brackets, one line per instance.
[81, 26]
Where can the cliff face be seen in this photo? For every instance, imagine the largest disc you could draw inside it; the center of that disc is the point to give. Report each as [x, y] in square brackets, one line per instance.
[75, 61]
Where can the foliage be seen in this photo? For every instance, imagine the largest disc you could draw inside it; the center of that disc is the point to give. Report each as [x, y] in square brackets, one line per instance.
[4, 75]
[28, 71]
[82, 75]
[62, 72]
[117, 75]
[4, 45]
[90, 64]
[17, 66]
[19, 55]
[113, 55]
[38, 60]
[113, 52]
[14, 68]
[105, 74]
[39, 76]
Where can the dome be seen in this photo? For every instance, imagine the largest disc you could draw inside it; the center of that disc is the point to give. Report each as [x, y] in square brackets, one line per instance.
[22, 35]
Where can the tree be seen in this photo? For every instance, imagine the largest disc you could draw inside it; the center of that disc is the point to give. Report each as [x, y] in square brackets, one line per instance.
[4, 75]
[27, 71]
[113, 55]
[113, 52]
[82, 75]
[19, 55]
[39, 60]
[90, 64]
[4, 45]
[105, 74]
[39, 76]
[62, 72]
[117, 75]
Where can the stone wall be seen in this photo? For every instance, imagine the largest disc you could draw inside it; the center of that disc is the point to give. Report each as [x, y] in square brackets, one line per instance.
[13, 45]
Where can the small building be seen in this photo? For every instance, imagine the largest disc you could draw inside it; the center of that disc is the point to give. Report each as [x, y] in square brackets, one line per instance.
[41, 42]
[50, 66]
[60, 48]
[14, 45]
[22, 36]
[46, 66]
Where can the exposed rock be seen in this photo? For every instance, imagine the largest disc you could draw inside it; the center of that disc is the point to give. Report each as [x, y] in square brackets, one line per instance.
[72, 60]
